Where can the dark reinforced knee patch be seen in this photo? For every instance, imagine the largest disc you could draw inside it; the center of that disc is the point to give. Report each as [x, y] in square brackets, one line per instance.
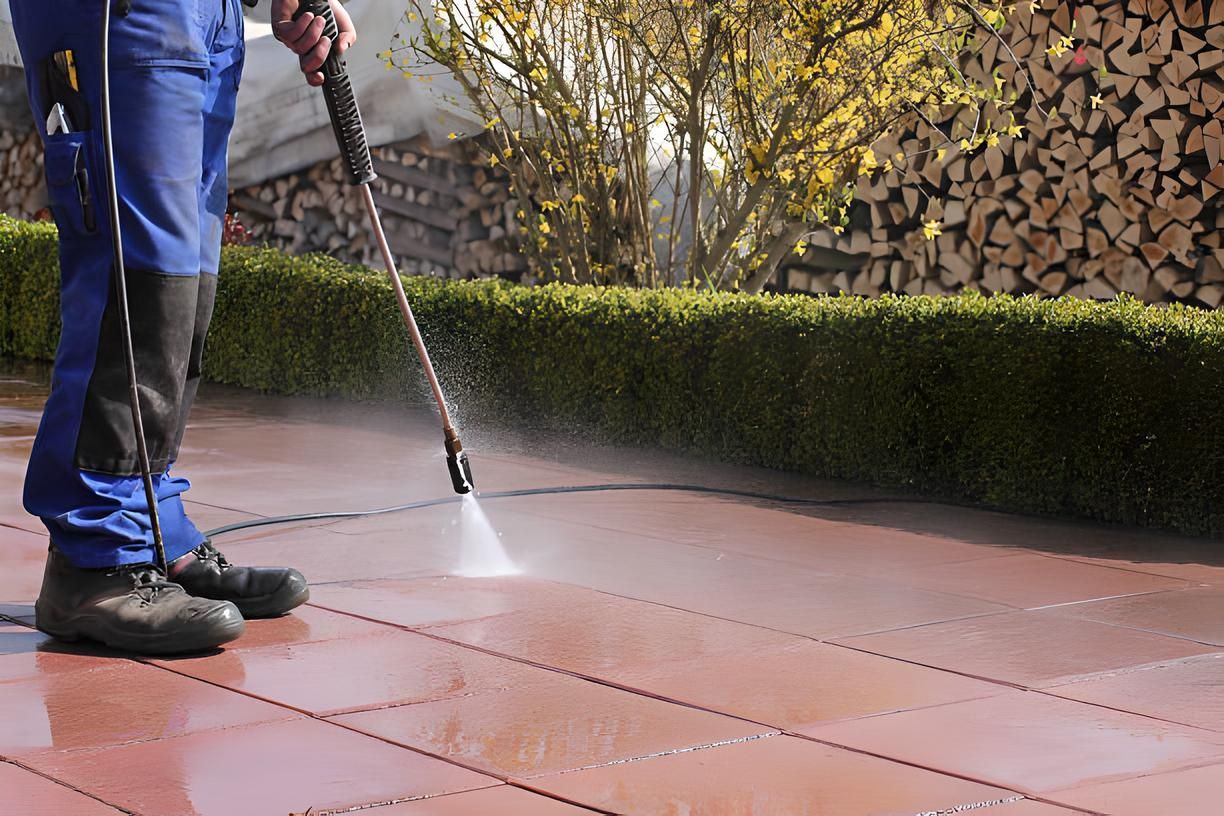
[163, 316]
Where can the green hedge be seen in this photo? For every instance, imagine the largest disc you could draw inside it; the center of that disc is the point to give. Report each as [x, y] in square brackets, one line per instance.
[1111, 411]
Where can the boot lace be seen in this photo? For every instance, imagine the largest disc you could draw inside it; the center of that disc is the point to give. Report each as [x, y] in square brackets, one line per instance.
[147, 582]
[207, 552]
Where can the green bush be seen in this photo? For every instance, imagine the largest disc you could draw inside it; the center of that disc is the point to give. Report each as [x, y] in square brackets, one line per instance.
[1113, 411]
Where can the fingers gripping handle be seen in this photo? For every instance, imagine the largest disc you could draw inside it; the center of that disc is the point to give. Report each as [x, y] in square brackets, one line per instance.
[341, 101]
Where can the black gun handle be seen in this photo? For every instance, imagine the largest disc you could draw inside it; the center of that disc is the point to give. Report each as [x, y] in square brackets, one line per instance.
[341, 101]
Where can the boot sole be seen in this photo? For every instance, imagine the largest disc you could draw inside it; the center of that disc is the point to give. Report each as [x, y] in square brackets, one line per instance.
[71, 629]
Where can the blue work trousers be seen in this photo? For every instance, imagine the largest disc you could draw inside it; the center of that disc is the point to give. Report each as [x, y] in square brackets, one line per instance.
[174, 71]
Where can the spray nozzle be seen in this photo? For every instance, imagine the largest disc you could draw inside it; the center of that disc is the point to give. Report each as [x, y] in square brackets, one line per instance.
[458, 465]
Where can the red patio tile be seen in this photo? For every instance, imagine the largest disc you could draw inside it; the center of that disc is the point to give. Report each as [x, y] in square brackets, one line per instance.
[1194, 791]
[774, 775]
[1197, 573]
[1026, 648]
[757, 591]
[504, 800]
[1028, 741]
[111, 702]
[1027, 807]
[555, 724]
[436, 601]
[348, 675]
[1026, 581]
[602, 636]
[307, 624]
[324, 555]
[752, 528]
[257, 770]
[1195, 614]
[1189, 691]
[802, 684]
[44, 657]
[23, 793]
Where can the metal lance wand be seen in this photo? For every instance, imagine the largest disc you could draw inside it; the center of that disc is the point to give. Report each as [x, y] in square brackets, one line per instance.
[355, 152]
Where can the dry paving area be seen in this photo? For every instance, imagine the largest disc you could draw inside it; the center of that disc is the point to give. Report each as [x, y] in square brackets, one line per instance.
[658, 652]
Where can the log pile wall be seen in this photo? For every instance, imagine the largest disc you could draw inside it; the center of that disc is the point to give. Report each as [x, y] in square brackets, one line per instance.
[1119, 192]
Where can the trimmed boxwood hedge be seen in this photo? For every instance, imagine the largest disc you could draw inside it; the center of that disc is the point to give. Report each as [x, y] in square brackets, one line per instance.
[1113, 411]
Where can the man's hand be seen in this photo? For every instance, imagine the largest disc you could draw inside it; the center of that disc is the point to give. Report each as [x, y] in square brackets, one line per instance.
[304, 36]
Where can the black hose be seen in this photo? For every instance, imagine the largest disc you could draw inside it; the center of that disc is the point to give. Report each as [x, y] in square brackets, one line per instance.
[553, 491]
[121, 295]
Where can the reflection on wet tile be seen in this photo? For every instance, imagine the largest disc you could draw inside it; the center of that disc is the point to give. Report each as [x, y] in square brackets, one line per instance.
[1199, 790]
[23, 793]
[605, 635]
[503, 800]
[1026, 648]
[67, 706]
[307, 624]
[1029, 741]
[358, 673]
[258, 770]
[1195, 614]
[438, 601]
[803, 684]
[557, 723]
[19, 640]
[1189, 691]
[774, 775]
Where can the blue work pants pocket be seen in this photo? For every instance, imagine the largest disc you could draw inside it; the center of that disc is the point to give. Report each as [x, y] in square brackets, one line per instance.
[72, 183]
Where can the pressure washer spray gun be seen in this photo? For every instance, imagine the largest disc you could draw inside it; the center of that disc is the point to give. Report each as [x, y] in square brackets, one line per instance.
[355, 151]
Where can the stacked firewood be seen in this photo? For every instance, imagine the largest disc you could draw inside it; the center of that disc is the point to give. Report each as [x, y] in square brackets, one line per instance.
[23, 192]
[1113, 185]
[444, 213]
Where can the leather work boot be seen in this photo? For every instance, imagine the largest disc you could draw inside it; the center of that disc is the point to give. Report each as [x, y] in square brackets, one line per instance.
[131, 608]
[258, 592]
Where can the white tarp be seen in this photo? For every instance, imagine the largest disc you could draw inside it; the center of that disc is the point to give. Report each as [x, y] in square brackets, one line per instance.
[282, 122]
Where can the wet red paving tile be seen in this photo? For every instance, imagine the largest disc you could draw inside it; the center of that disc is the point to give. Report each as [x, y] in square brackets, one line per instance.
[1027, 648]
[1197, 573]
[23, 793]
[438, 601]
[1027, 807]
[357, 673]
[504, 800]
[763, 777]
[1181, 793]
[828, 606]
[762, 592]
[803, 684]
[323, 555]
[43, 658]
[1027, 581]
[1195, 614]
[1028, 741]
[767, 531]
[604, 635]
[66, 707]
[555, 724]
[307, 624]
[258, 770]
[1189, 691]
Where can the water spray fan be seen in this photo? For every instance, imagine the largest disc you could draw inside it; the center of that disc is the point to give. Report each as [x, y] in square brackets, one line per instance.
[355, 151]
